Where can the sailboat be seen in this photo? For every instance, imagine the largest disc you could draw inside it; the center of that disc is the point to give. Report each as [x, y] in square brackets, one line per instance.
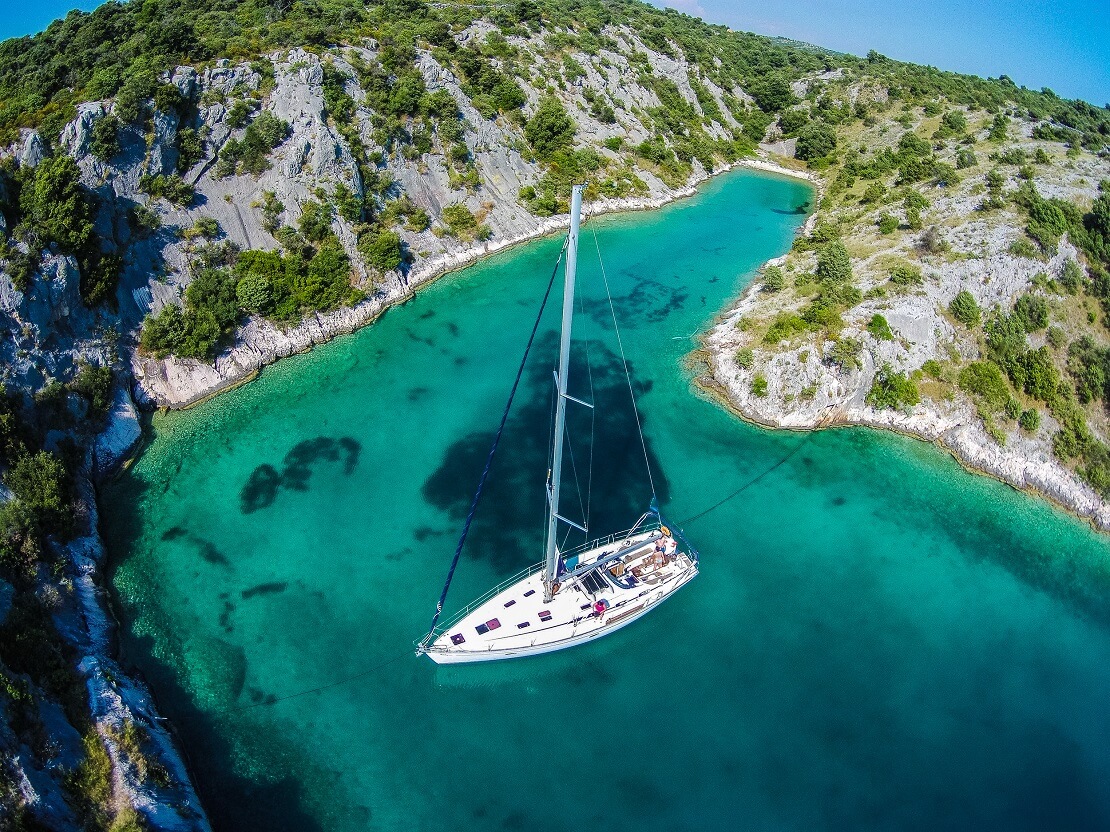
[577, 595]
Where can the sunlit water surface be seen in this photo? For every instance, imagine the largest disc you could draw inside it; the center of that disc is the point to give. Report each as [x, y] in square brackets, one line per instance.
[878, 640]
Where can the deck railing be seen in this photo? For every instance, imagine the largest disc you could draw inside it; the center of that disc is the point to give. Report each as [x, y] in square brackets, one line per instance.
[426, 644]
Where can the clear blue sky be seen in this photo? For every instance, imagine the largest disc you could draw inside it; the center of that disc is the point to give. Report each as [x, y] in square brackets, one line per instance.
[26, 17]
[1064, 45]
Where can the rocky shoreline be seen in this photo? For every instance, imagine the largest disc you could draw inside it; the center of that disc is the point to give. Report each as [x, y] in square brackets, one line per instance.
[955, 428]
[840, 401]
[180, 383]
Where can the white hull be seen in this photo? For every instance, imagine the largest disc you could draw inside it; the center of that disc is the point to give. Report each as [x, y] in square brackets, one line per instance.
[515, 621]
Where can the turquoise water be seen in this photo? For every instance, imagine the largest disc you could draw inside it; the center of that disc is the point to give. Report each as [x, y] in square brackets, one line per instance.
[878, 640]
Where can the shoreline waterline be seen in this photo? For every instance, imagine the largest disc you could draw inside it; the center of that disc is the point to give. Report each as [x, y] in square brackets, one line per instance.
[260, 343]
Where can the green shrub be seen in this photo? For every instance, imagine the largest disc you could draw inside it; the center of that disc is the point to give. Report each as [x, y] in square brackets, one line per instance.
[1023, 247]
[1089, 366]
[773, 279]
[833, 263]
[254, 293]
[315, 221]
[171, 188]
[791, 121]
[144, 219]
[824, 310]
[892, 390]
[845, 354]
[58, 206]
[874, 193]
[759, 387]
[1034, 372]
[40, 505]
[105, 138]
[461, 222]
[745, 357]
[207, 227]
[349, 206]
[785, 325]
[272, 208]
[933, 369]
[952, 123]
[906, 274]
[964, 309]
[190, 148]
[490, 91]
[1032, 312]
[95, 385]
[1029, 420]
[815, 141]
[250, 155]
[771, 92]
[550, 129]
[965, 158]
[100, 279]
[998, 128]
[30, 643]
[382, 251]
[1072, 276]
[90, 785]
[887, 224]
[879, 328]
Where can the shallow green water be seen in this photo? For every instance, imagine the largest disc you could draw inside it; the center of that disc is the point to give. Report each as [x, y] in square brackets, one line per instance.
[877, 639]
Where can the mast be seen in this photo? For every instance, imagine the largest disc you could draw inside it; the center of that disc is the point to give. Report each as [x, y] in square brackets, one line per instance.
[552, 558]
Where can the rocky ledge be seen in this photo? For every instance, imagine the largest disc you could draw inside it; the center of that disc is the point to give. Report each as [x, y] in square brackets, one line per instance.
[805, 391]
[954, 426]
[176, 383]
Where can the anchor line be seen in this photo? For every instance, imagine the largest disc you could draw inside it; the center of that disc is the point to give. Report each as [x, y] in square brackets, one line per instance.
[749, 483]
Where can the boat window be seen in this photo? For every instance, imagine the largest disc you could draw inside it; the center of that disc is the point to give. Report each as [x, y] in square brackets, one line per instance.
[594, 583]
[493, 623]
[510, 602]
[523, 624]
[457, 638]
[545, 615]
[529, 592]
[482, 629]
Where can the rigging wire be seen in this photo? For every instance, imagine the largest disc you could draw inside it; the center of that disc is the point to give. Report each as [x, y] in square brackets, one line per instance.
[584, 507]
[593, 414]
[493, 448]
[624, 363]
[577, 484]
